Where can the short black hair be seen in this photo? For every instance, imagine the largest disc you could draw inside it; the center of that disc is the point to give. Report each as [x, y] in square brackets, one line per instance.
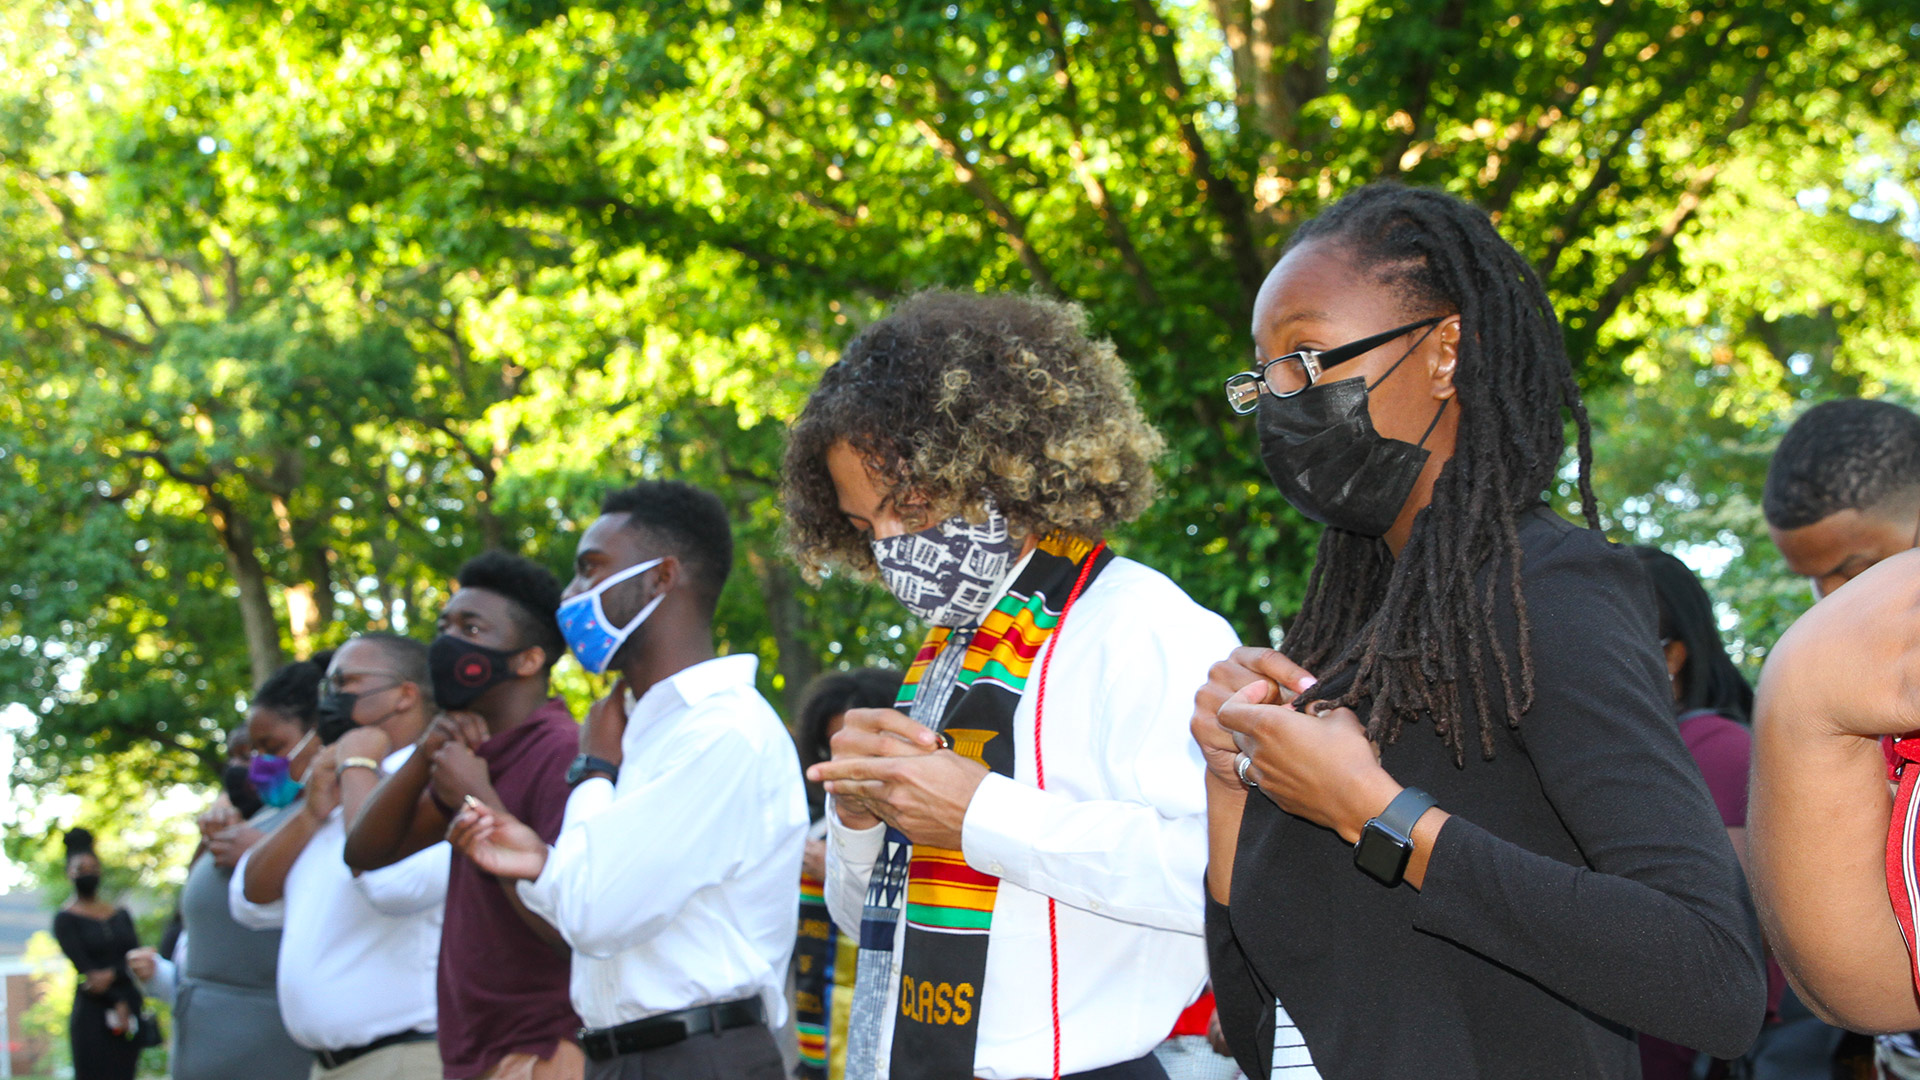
[1709, 679]
[408, 657]
[830, 695]
[690, 522]
[531, 591]
[294, 690]
[1842, 455]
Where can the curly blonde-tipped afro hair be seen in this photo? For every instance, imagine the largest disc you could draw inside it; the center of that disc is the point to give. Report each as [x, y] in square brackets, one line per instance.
[956, 398]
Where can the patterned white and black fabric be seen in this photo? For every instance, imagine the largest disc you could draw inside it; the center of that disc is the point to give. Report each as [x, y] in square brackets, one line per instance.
[947, 575]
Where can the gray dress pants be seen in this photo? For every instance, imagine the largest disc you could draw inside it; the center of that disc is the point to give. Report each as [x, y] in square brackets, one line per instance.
[747, 1053]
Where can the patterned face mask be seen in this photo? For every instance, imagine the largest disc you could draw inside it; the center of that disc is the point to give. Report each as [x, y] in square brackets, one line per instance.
[947, 574]
[272, 775]
[592, 636]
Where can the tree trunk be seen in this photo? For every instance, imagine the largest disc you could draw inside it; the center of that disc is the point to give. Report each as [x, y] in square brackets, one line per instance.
[256, 604]
[310, 600]
[797, 663]
[1290, 54]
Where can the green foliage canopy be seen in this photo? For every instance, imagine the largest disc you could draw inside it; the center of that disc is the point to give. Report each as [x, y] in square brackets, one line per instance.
[303, 303]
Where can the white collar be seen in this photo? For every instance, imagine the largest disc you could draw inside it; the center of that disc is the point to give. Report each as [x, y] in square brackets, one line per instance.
[692, 685]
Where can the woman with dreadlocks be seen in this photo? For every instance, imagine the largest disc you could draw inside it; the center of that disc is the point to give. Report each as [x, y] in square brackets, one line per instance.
[1454, 829]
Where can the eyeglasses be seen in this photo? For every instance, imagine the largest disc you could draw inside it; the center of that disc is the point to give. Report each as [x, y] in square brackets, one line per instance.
[1285, 376]
[336, 682]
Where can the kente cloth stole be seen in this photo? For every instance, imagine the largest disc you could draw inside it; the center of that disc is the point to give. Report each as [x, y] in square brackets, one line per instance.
[813, 954]
[966, 685]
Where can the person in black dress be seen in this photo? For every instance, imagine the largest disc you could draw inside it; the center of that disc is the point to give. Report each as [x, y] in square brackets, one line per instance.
[1454, 831]
[96, 936]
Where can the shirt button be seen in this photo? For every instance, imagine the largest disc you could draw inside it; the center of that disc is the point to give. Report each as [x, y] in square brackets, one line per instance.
[996, 870]
[1094, 904]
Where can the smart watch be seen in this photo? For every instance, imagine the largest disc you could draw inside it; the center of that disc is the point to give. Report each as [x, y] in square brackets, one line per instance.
[587, 765]
[1387, 842]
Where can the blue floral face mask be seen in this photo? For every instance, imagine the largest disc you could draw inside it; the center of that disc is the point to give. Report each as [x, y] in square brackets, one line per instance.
[590, 634]
[272, 776]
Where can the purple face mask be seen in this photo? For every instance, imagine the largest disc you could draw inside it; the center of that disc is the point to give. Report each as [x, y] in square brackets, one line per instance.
[272, 775]
[948, 574]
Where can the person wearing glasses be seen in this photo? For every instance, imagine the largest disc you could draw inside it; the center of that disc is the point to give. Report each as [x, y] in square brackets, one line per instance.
[1453, 827]
[358, 952]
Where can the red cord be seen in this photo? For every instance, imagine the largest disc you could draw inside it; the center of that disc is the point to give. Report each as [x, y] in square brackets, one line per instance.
[1040, 774]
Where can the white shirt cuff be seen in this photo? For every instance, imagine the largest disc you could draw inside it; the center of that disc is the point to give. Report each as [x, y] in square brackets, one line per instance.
[996, 834]
[538, 893]
[856, 847]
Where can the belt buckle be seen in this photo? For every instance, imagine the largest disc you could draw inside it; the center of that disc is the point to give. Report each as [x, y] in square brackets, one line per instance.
[597, 1044]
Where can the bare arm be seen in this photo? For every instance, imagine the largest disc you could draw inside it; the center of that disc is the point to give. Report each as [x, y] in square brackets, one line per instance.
[1225, 807]
[397, 818]
[1846, 673]
[273, 858]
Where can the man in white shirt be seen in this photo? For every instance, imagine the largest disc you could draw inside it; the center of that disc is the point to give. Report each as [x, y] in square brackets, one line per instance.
[357, 953]
[676, 874]
[1027, 886]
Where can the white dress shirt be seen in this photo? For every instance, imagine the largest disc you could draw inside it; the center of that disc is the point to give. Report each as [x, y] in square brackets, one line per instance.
[358, 955]
[165, 984]
[1119, 838]
[679, 883]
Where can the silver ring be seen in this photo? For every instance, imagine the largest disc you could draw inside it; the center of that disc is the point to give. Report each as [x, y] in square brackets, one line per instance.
[1240, 769]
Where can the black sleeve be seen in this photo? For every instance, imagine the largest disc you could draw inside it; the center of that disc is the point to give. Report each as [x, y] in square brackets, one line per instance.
[1244, 1002]
[126, 938]
[66, 930]
[1657, 932]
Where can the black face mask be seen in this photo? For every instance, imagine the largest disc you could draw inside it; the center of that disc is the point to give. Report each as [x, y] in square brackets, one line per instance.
[1323, 454]
[334, 717]
[86, 885]
[240, 790]
[463, 670]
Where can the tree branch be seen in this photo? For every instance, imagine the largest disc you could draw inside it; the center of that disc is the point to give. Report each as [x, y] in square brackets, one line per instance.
[1090, 181]
[204, 481]
[971, 177]
[63, 215]
[1420, 80]
[119, 337]
[1226, 201]
[1684, 208]
[1568, 227]
[1512, 171]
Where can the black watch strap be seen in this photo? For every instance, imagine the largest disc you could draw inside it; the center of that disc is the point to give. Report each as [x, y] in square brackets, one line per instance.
[587, 765]
[1404, 811]
[1386, 843]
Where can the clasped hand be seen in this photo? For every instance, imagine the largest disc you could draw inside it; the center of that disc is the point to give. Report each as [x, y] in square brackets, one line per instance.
[888, 767]
[1317, 764]
[457, 772]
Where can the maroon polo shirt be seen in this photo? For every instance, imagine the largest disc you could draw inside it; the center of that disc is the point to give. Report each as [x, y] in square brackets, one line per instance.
[503, 990]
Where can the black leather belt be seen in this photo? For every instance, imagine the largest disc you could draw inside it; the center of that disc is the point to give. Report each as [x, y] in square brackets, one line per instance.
[333, 1059]
[654, 1032]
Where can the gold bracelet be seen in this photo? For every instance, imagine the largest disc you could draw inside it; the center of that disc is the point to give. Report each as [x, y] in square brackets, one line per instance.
[360, 763]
